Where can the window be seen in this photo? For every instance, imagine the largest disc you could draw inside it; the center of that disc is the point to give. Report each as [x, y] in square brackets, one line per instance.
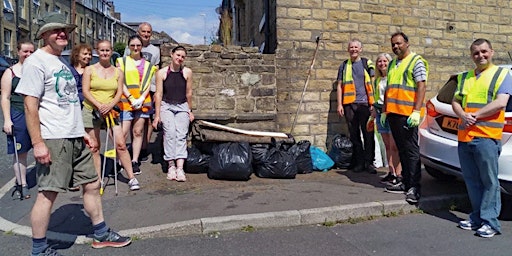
[47, 7]
[8, 6]
[22, 10]
[36, 2]
[7, 42]
[56, 9]
[87, 3]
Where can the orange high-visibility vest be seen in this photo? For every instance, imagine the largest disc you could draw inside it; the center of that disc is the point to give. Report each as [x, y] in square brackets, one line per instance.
[135, 84]
[401, 90]
[349, 88]
[474, 95]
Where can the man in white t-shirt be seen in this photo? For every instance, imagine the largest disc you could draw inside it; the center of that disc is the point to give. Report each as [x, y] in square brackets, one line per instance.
[150, 53]
[62, 149]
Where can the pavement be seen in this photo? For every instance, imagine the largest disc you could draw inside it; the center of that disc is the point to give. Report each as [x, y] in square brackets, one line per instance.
[203, 206]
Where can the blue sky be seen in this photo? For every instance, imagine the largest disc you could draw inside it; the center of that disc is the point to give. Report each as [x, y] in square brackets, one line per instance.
[182, 20]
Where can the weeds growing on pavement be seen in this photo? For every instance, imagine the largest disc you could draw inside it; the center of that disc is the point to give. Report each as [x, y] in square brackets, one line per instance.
[328, 223]
[214, 234]
[248, 228]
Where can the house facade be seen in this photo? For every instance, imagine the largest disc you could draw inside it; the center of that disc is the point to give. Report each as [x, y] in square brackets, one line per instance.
[440, 30]
[96, 19]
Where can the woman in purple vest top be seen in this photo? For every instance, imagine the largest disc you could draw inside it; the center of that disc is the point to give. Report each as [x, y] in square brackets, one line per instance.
[173, 108]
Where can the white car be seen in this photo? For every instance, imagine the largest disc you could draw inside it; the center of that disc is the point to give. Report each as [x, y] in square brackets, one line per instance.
[438, 138]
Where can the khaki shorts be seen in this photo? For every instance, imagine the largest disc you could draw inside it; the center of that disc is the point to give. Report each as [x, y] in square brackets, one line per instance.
[71, 165]
[89, 120]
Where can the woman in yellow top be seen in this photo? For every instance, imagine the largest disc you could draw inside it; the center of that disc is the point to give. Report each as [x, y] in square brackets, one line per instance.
[102, 88]
[135, 102]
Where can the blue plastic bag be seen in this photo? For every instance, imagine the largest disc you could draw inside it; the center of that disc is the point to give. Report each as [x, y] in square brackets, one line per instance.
[321, 161]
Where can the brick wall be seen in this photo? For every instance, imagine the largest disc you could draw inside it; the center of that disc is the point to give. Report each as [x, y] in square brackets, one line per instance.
[440, 30]
[231, 85]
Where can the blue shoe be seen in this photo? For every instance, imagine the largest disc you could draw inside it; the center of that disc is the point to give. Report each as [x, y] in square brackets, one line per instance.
[486, 231]
[49, 251]
[468, 225]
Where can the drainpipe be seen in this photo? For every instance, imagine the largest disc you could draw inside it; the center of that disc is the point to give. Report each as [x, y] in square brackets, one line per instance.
[112, 31]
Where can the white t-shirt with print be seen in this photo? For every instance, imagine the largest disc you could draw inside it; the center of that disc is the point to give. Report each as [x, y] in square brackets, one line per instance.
[46, 77]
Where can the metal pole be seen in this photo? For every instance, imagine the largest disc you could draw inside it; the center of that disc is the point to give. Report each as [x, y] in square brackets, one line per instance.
[306, 84]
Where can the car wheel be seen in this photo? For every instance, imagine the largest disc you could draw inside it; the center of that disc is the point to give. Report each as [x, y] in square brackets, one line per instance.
[506, 207]
[438, 175]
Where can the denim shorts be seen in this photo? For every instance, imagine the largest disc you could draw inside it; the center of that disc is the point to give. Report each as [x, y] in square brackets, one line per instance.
[130, 115]
[20, 131]
[380, 128]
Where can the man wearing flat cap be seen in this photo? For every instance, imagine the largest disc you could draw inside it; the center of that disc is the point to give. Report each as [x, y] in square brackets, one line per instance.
[61, 146]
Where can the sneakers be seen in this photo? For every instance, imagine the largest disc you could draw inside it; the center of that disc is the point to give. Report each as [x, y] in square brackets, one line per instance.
[111, 239]
[136, 168]
[144, 156]
[180, 176]
[468, 225]
[49, 251]
[412, 196]
[134, 184]
[486, 231]
[388, 178]
[25, 192]
[171, 173]
[397, 188]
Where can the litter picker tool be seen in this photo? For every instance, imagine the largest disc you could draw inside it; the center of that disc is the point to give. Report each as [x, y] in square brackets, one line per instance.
[306, 83]
[17, 187]
[109, 119]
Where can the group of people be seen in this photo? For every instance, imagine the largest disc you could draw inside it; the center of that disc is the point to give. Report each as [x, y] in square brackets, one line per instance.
[57, 108]
[392, 95]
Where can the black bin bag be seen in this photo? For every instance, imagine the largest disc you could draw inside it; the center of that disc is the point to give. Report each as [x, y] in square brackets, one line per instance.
[341, 151]
[300, 152]
[277, 163]
[231, 161]
[196, 161]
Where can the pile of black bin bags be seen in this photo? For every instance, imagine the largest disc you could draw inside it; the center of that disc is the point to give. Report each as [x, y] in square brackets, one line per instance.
[238, 160]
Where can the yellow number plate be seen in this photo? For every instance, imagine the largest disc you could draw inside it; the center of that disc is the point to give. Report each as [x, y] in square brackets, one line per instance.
[450, 123]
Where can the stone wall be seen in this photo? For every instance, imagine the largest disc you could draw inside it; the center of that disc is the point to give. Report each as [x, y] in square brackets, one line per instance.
[231, 85]
[439, 30]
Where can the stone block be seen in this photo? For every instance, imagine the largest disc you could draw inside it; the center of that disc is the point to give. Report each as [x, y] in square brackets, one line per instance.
[268, 79]
[224, 103]
[263, 104]
[290, 23]
[353, 6]
[245, 105]
[299, 34]
[331, 4]
[263, 92]
[307, 118]
[312, 24]
[210, 55]
[299, 13]
[250, 79]
[263, 69]
[317, 106]
[312, 3]
[337, 15]
[319, 14]
[361, 17]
